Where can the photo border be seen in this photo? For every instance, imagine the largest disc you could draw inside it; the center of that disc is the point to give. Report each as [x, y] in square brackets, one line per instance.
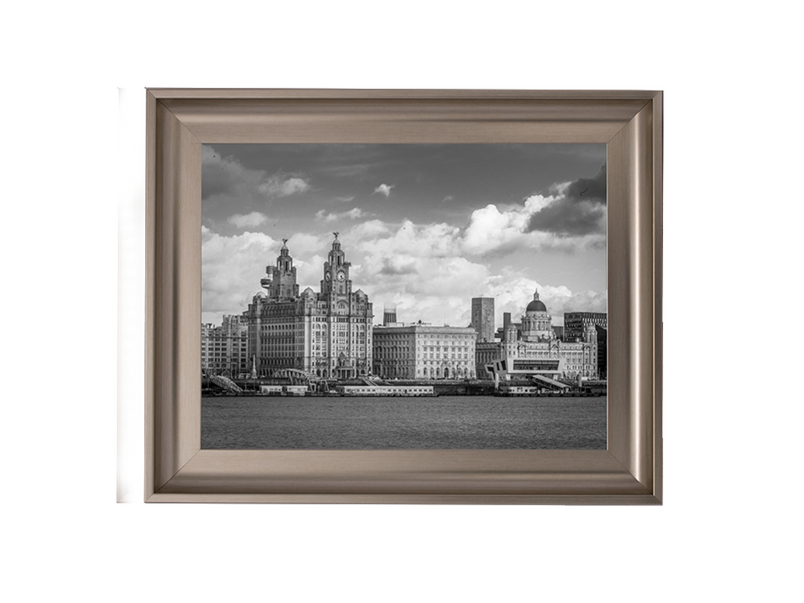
[179, 121]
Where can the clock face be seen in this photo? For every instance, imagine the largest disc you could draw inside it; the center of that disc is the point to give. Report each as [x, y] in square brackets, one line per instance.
[341, 276]
[327, 276]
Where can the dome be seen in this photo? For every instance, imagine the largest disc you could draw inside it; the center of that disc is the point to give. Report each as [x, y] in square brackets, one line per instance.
[536, 306]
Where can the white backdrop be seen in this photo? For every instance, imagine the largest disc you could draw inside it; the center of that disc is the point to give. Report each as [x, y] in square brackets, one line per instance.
[73, 165]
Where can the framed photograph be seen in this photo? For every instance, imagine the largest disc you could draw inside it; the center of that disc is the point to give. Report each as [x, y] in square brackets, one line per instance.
[403, 296]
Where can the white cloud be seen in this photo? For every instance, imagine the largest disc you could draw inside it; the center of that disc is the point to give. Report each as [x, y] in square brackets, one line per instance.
[281, 185]
[253, 219]
[424, 269]
[560, 188]
[370, 229]
[231, 269]
[384, 189]
[232, 266]
[492, 230]
[426, 240]
[512, 293]
[352, 214]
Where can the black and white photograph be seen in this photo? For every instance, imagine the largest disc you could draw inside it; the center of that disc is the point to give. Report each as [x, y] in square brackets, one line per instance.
[404, 296]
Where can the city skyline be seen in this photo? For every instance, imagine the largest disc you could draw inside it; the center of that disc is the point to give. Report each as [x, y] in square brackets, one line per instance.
[426, 227]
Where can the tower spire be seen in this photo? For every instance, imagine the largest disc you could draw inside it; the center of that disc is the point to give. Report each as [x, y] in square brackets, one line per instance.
[280, 278]
[336, 270]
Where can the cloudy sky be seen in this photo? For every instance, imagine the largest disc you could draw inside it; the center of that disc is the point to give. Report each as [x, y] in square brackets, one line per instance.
[426, 227]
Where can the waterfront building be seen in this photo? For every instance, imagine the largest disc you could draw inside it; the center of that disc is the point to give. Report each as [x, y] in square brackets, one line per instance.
[324, 334]
[500, 333]
[224, 348]
[483, 318]
[407, 391]
[602, 352]
[576, 323]
[530, 349]
[485, 355]
[423, 351]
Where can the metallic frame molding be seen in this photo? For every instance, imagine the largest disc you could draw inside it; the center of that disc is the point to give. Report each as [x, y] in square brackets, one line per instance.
[180, 121]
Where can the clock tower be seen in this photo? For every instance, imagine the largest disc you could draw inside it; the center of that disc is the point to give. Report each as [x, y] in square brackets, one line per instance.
[324, 334]
[336, 271]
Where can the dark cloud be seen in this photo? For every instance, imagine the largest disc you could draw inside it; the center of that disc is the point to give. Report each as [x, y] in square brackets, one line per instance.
[569, 218]
[223, 179]
[581, 210]
[216, 177]
[589, 189]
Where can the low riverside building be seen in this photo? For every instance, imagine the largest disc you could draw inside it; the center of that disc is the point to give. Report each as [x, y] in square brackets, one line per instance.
[385, 390]
[423, 351]
[284, 390]
[486, 353]
[224, 347]
[532, 390]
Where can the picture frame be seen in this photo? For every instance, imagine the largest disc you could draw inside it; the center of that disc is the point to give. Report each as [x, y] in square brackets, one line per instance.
[179, 121]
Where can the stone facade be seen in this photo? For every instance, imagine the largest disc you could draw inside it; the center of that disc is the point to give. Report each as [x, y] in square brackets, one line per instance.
[575, 327]
[224, 348]
[421, 351]
[325, 333]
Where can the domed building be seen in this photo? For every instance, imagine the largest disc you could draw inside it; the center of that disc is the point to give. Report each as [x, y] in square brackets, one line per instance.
[325, 333]
[537, 325]
[531, 350]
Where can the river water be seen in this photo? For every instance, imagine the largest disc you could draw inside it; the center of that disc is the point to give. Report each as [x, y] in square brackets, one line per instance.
[444, 422]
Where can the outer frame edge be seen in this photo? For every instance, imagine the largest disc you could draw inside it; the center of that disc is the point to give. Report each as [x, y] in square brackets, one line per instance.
[377, 93]
[654, 98]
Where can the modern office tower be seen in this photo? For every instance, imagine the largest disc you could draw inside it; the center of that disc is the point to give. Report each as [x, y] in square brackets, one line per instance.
[389, 315]
[483, 318]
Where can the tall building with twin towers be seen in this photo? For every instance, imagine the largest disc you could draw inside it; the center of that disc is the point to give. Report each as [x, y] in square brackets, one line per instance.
[326, 333]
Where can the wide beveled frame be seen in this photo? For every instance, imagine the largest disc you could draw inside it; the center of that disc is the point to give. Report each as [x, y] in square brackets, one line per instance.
[180, 121]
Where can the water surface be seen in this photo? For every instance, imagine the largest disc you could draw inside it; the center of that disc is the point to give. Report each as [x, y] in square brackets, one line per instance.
[444, 422]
